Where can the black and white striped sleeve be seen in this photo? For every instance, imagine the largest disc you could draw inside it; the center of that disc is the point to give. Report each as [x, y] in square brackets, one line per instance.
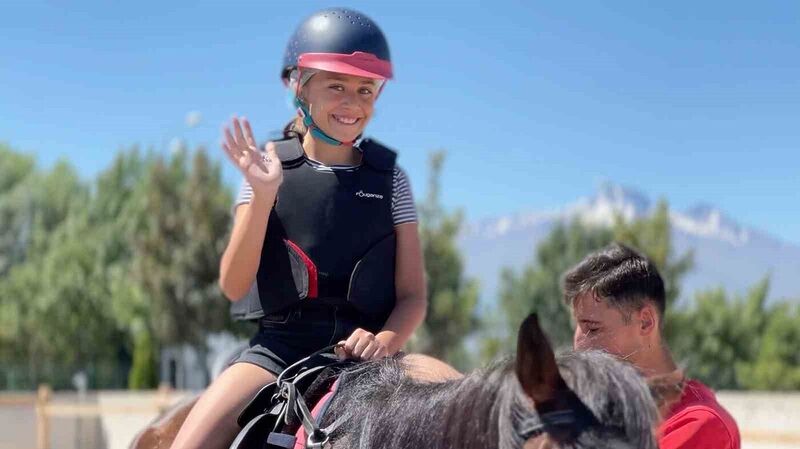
[403, 208]
[245, 195]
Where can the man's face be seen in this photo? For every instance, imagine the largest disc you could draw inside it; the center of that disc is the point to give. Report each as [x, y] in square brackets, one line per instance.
[604, 327]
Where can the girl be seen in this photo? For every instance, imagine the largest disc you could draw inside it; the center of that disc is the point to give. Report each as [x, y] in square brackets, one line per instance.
[324, 247]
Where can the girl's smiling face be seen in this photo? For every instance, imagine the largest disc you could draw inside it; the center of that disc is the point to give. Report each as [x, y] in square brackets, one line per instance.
[340, 105]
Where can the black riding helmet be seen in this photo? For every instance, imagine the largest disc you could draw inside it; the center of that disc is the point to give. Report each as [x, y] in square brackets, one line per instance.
[335, 40]
[338, 40]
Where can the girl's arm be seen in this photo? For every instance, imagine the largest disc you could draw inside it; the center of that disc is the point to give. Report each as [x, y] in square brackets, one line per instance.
[264, 173]
[240, 261]
[411, 290]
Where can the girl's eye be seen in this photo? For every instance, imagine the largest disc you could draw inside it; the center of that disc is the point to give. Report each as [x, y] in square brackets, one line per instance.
[337, 87]
[365, 91]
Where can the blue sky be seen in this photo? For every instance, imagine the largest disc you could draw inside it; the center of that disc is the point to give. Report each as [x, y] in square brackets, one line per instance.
[536, 102]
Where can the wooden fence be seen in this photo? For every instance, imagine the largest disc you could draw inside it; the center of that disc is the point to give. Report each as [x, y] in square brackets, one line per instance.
[46, 409]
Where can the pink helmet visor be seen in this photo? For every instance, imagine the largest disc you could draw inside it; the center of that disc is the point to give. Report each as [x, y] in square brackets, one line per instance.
[361, 64]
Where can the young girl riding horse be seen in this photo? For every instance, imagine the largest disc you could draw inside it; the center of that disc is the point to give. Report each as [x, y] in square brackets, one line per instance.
[324, 246]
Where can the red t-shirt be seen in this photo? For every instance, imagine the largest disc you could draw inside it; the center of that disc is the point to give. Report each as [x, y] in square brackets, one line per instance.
[697, 421]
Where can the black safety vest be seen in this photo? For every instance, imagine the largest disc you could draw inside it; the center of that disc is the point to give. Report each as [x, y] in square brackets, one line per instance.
[330, 237]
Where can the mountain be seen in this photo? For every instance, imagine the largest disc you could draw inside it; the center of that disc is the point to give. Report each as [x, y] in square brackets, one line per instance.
[726, 253]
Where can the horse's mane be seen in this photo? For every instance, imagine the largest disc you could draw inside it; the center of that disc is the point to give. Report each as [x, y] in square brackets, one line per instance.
[384, 408]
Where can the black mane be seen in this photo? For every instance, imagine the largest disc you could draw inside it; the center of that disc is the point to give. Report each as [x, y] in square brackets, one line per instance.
[384, 408]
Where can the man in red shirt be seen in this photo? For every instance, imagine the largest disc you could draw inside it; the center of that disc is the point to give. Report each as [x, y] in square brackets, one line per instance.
[617, 299]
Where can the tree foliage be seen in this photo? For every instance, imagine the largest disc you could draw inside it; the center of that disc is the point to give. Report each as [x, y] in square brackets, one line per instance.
[92, 270]
[739, 342]
[452, 298]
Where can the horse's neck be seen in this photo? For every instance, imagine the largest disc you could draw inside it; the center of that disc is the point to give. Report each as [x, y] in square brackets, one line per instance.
[472, 416]
[405, 414]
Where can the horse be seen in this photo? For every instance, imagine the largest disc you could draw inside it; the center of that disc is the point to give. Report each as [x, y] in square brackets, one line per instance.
[536, 400]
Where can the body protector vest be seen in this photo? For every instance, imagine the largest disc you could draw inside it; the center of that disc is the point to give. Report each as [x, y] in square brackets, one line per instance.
[330, 238]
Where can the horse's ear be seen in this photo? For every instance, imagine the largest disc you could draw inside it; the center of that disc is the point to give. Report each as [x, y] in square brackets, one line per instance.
[536, 366]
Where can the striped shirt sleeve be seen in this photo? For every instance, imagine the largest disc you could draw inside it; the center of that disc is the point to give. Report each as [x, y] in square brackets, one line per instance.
[244, 196]
[403, 208]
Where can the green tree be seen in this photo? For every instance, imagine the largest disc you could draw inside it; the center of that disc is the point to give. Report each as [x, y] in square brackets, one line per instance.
[452, 298]
[15, 211]
[143, 374]
[178, 239]
[106, 264]
[718, 336]
[52, 301]
[14, 168]
[740, 341]
[776, 363]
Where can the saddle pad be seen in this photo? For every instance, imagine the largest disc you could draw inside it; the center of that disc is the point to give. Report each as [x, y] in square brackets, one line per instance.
[318, 413]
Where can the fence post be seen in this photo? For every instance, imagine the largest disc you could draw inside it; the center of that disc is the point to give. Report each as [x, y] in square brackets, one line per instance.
[42, 421]
[162, 397]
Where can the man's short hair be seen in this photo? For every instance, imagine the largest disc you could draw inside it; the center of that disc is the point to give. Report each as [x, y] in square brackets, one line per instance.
[620, 275]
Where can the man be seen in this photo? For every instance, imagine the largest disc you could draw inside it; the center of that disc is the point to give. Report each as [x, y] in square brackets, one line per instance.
[617, 300]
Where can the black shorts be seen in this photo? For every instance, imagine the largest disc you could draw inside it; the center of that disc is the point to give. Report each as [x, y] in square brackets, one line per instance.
[284, 338]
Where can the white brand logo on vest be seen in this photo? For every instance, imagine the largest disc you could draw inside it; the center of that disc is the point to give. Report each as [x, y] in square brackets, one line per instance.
[362, 194]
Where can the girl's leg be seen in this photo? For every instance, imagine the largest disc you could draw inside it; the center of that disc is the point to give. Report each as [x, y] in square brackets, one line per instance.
[212, 421]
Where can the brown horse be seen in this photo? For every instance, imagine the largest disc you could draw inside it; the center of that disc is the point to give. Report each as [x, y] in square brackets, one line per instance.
[160, 433]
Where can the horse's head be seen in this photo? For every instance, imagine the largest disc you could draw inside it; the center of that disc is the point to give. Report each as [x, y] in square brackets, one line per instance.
[579, 400]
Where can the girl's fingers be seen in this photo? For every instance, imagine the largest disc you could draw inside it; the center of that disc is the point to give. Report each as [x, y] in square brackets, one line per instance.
[350, 344]
[240, 160]
[248, 133]
[361, 346]
[231, 141]
[239, 134]
[231, 151]
[228, 152]
[340, 352]
[370, 351]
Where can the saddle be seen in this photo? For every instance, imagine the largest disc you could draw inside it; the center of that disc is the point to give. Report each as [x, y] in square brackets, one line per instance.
[278, 416]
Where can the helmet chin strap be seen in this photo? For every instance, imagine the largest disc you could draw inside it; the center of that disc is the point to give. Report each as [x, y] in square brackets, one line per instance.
[304, 113]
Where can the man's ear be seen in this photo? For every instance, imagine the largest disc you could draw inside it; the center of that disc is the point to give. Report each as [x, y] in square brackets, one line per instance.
[648, 319]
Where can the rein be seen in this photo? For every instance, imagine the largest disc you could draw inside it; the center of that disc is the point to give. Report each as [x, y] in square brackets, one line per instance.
[287, 390]
[291, 405]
